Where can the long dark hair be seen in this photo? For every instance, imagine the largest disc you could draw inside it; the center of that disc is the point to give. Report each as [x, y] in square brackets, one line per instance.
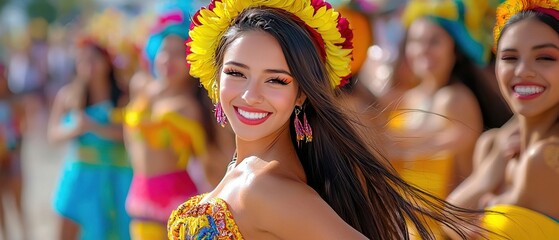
[115, 93]
[466, 72]
[350, 175]
[206, 106]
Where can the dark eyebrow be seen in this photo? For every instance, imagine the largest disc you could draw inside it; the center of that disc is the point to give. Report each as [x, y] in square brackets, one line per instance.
[278, 71]
[545, 45]
[238, 64]
[509, 50]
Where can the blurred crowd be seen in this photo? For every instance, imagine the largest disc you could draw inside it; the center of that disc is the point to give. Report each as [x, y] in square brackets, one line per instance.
[141, 133]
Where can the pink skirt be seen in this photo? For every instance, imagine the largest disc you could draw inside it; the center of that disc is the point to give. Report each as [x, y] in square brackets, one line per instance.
[154, 198]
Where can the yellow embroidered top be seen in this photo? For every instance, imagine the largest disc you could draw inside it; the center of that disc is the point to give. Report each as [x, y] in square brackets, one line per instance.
[169, 130]
[211, 220]
[517, 222]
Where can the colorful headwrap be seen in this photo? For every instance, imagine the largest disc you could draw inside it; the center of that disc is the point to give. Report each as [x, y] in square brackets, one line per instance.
[511, 7]
[329, 30]
[465, 20]
[173, 18]
[378, 6]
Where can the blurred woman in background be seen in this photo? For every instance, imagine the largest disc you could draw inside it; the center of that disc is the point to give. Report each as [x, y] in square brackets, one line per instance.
[12, 118]
[96, 175]
[167, 124]
[437, 123]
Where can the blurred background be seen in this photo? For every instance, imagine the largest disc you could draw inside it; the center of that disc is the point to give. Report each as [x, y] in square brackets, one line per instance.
[37, 57]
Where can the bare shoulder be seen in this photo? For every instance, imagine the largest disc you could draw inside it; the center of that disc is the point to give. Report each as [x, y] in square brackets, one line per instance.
[484, 145]
[456, 94]
[139, 81]
[544, 157]
[63, 94]
[66, 89]
[289, 209]
[539, 169]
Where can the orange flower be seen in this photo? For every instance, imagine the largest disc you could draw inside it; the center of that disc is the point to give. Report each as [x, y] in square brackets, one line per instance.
[511, 7]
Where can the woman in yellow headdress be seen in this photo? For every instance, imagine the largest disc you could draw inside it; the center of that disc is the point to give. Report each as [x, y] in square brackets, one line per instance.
[436, 124]
[518, 183]
[302, 169]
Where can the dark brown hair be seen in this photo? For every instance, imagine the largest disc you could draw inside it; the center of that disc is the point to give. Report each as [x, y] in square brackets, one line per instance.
[350, 175]
[115, 93]
[547, 19]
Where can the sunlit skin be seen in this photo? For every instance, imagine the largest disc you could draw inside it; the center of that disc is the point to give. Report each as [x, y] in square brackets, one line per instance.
[170, 61]
[258, 93]
[434, 119]
[430, 51]
[527, 69]
[167, 93]
[513, 164]
[268, 179]
[90, 64]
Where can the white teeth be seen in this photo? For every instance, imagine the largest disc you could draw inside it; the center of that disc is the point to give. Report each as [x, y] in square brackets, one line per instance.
[528, 90]
[252, 115]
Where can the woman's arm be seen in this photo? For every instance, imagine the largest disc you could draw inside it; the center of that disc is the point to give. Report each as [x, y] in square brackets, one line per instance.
[112, 131]
[491, 156]
[56, 132]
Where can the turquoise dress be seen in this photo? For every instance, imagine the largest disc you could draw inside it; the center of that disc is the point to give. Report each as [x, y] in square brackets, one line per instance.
[94, 181]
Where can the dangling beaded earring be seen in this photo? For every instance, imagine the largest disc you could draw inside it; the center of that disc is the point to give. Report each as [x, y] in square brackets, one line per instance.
[307, 128]
[220, 115]
[299, 129]
[218, 110]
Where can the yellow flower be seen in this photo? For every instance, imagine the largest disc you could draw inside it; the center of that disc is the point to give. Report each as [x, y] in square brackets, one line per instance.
[209, 25]
[511, 7]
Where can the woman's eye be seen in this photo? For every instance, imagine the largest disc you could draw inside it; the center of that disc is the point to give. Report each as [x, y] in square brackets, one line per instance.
[279, 81]
[508, 58]
[233, 73]
[546, 58]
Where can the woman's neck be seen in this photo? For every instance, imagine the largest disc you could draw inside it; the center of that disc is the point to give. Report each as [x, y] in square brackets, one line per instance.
[431, 83]
[276, 146]
[99, 92]
[534, 129]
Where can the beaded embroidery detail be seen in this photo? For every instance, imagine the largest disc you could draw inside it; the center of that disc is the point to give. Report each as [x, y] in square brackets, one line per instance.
[211, 220]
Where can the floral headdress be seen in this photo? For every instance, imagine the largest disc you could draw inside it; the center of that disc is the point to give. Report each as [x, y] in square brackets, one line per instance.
[328, 28]
[465, 20]
[511, 7]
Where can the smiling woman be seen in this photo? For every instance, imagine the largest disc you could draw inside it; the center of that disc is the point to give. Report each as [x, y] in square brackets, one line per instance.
[302, 170]
[527, 68]
[256, 88]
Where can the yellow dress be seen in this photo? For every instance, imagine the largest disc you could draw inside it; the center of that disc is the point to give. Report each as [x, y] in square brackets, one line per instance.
[518, 223]
[431, 173]
[211, 220]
